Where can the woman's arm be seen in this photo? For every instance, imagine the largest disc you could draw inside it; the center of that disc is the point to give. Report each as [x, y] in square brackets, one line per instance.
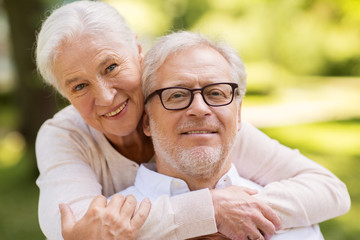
[111, 222]
[299, 190]
[71, 173]
[68, 176]
[65, 177]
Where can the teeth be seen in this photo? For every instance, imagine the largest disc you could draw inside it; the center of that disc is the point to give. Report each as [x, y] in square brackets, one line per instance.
[197, 132]
[113, 113]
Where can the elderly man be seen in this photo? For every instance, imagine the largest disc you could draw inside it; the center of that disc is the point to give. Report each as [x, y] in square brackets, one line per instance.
[193, 116]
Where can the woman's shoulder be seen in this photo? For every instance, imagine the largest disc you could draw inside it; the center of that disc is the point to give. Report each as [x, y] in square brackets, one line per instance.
[66, 122]
[66, 118]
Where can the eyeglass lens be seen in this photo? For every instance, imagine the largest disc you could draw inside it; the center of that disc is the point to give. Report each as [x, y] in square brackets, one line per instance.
[214, 95]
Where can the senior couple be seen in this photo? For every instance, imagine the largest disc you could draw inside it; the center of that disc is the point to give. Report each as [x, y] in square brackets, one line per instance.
[204, 170]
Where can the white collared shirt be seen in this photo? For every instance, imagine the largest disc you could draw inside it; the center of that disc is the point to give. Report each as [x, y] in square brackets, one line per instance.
[151, 184]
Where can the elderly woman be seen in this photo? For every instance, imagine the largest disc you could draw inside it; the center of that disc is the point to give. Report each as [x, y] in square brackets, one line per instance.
[94, 147]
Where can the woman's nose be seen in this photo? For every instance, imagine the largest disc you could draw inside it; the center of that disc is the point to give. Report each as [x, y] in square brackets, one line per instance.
[105, 94]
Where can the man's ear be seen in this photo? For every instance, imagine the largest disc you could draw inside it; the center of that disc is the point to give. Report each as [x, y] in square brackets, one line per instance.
[239, 117]
[146, 124]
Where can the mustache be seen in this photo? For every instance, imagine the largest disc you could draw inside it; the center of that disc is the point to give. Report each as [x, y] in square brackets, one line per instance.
[198, 124]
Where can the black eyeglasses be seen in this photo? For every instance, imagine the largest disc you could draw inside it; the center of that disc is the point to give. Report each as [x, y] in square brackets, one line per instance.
[178, 98]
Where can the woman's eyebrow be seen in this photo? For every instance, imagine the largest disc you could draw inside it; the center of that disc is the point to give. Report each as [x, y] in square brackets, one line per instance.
[70, 81]
[105, 61]
[118, 59]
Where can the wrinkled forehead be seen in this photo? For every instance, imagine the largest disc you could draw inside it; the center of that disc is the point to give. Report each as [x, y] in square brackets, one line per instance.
[92, 45]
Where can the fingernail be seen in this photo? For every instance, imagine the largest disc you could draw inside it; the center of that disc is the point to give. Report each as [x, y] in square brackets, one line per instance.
[61, 206]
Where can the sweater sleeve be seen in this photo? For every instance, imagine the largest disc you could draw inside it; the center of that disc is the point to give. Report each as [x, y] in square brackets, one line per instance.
[65, 177]
[180, 217]
[299, 190]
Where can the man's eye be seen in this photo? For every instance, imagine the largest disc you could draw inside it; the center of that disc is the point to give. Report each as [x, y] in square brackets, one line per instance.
[111, 67]
[216, 93]
[79, 87]
[177, 95]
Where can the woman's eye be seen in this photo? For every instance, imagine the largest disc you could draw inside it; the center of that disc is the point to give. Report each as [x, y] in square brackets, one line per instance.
[79, 87]
[111, 67]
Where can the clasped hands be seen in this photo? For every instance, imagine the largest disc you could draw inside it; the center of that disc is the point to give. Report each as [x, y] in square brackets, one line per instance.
[238, 214]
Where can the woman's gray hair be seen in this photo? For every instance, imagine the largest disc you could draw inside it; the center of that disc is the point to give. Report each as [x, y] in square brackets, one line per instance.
[71, 21]
[174, 42]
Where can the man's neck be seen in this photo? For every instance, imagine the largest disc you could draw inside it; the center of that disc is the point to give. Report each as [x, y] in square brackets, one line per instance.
[135, 146]
[199, 181]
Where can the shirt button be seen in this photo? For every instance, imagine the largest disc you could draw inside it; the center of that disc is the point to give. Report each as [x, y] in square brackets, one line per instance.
[177, 184]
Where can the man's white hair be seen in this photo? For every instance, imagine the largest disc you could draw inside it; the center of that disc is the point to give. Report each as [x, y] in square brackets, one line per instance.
[178, 41]
[72, 20]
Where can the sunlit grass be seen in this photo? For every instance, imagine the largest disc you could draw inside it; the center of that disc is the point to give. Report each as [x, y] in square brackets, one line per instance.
[19, 199]
[333, 138]
[335, 145]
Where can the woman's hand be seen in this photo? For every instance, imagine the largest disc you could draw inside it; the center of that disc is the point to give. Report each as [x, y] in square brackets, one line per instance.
[241, 216]
[115, 220]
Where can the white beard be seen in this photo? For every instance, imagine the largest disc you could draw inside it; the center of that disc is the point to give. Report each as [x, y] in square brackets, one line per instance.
[199, 161]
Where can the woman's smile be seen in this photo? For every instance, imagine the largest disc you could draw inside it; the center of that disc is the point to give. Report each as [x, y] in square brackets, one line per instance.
[116, 111]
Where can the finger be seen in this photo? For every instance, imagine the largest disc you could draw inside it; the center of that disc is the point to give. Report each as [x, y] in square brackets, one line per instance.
[67, 218]
[264, 226]
[256, 236]
[249, 191]
[141, 214]
[98, 201]
[270, 215]
[97, 206]
[128, 207]
[251, 231]
[116, 203]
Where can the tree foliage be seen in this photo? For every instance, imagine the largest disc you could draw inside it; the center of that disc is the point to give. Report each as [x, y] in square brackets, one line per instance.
[33, 101]
[305, 37]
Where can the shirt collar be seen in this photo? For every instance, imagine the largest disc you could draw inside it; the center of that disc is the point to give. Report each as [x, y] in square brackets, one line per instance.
[153, 184]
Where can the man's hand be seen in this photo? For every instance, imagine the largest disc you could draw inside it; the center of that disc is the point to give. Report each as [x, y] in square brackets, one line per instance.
[241, 216]
[115, 220]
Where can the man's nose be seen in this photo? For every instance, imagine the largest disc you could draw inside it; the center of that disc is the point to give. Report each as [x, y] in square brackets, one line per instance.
[198, 107]
[104, 94]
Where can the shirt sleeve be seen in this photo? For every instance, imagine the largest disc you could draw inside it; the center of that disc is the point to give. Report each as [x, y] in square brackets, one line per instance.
[299, 190]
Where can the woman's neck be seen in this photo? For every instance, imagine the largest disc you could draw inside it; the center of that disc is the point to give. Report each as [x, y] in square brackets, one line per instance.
[136, 146]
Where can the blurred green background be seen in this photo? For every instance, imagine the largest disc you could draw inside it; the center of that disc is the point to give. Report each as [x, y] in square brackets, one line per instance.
[303, 63]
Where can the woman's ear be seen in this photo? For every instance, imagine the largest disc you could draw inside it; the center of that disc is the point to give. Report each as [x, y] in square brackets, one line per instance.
[146, 124]
[141, 55]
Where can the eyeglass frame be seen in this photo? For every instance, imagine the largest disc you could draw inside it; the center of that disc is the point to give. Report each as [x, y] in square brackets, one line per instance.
[159, 92]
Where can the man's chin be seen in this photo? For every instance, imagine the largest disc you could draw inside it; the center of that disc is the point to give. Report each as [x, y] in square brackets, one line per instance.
[201, 148]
